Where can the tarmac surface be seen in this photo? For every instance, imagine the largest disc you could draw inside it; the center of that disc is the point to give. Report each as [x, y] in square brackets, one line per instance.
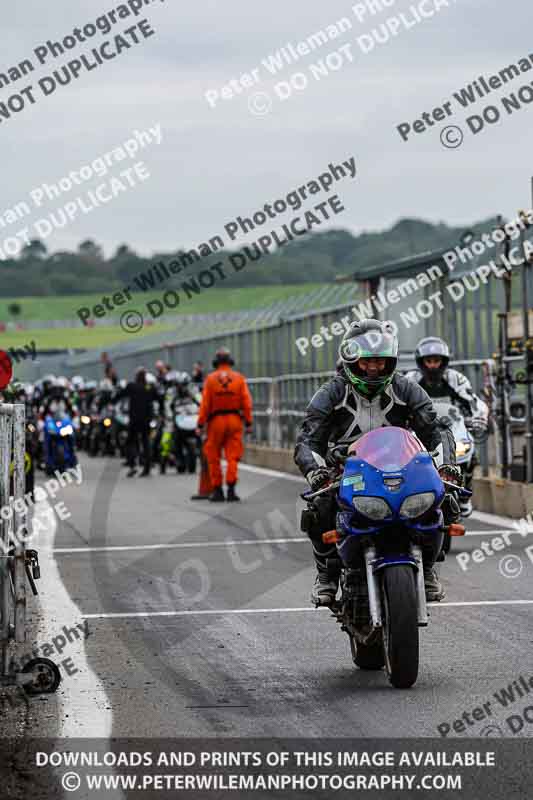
[200, 625]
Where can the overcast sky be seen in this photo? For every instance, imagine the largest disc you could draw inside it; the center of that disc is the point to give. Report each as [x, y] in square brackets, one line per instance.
[216, 163]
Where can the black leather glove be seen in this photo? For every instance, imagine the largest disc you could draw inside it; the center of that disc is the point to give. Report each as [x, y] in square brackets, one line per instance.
[318, 478]
[450, 505]
[451, 473]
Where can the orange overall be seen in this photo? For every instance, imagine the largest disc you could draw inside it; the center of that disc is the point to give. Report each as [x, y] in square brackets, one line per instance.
[225, 401]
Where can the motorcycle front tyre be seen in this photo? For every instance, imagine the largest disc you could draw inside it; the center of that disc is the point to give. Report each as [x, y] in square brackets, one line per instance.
[400, 625]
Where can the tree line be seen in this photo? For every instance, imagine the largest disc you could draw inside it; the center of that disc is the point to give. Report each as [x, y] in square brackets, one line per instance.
[320, 257]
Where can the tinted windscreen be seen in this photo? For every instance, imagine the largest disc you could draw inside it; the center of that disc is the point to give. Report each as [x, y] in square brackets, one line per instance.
[387, 448]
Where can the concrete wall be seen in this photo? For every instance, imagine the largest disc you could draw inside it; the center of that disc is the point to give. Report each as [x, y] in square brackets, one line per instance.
[492, 495]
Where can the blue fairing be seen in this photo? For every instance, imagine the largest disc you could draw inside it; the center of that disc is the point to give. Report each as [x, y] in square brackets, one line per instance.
[391, 454]
[53, 440]
[418, 476]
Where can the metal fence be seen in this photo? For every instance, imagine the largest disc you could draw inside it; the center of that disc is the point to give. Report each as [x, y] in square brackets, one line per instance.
[12, 555]
[280, 403]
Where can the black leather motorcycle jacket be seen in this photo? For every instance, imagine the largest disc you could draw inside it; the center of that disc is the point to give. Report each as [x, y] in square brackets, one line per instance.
[337, 414]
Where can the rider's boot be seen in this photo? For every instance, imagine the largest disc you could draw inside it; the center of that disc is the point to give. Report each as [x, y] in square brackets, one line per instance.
[327, 579]
[217, 495]
[432, 585]
[231, 496]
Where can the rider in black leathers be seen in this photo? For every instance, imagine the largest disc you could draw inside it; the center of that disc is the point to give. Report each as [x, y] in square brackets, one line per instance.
[366, 393]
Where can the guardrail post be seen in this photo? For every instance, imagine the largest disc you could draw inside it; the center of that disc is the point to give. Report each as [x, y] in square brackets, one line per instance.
[274, 426]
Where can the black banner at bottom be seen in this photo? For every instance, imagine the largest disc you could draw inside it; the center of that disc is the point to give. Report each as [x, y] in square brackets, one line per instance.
[474, 769]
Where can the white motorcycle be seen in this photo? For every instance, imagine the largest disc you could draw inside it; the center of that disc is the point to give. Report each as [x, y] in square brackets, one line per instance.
[187, 442]
[466, 437]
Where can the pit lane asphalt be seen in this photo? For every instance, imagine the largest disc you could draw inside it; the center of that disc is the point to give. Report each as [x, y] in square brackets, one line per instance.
[201, 626]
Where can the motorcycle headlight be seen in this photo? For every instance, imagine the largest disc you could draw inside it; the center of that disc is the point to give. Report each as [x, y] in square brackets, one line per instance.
[462, 448]
[153, 424]
[86, 420]
[67, 430]
[31, 427]
[417, 504]
[372, 507]
[107, 422]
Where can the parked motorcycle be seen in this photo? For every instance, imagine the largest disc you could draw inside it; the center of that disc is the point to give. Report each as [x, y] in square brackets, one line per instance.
[388, 495]
[83, 432]
[59, 449]
[102, 432]
[122, 421]
[187, 442]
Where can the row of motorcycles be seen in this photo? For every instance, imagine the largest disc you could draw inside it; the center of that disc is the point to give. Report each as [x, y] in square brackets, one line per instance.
[102, 428]
[63, 417]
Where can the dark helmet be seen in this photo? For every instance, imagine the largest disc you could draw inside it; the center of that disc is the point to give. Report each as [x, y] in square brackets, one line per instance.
[140, 375]
[432, 346]
[223, 356]
[369, 338]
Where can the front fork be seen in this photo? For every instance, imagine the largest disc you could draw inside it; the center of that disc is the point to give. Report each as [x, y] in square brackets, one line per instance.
[374, 594]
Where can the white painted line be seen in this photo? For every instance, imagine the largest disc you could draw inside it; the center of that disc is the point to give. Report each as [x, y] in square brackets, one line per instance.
[228, 543]
[212, 612]
[485, 603]
[177, 545]
[492, 519]
[273, 473]
[493, 533]
[85, 707]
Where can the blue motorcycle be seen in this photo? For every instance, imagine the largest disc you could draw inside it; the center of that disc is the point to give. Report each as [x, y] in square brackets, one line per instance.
[389, 497]
[59, 447]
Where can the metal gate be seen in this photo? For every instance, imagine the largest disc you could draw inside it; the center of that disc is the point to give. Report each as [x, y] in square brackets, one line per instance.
[12, 556]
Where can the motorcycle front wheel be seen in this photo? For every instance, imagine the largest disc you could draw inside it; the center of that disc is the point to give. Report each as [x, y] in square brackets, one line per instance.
[400, 625]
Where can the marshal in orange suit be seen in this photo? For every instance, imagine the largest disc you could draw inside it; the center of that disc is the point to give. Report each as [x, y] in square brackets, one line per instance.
[226, 401]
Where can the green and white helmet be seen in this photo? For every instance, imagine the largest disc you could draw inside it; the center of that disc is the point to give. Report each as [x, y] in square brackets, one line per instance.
[369, 338]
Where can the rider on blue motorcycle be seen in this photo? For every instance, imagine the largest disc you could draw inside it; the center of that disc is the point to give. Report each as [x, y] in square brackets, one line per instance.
[432, 357]
[57, 400]
[367, 393]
